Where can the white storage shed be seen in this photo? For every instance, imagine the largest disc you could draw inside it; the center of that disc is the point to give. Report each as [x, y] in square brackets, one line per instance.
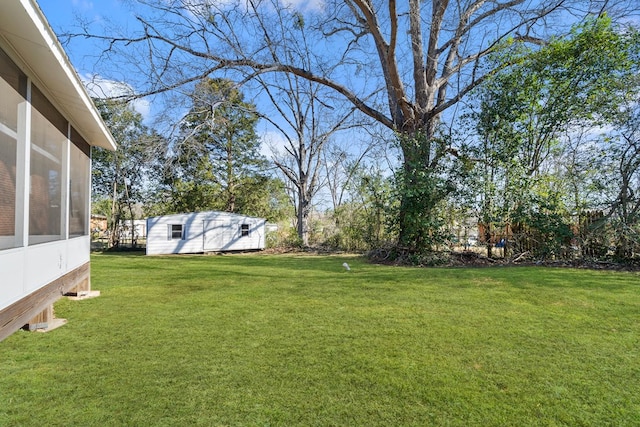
[200, 232]
[48, 124]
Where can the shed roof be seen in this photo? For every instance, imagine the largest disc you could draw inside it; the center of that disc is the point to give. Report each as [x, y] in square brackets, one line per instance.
[203, 214]
[24, 27]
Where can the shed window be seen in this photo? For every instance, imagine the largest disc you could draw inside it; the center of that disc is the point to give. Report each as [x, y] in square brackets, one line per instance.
[176, 232]
[244, 230]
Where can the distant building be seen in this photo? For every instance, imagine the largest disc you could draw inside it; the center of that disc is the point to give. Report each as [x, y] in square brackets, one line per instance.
[200, 232]
[98, 224]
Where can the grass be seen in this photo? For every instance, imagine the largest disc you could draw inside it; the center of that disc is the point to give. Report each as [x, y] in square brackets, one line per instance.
[258, 340]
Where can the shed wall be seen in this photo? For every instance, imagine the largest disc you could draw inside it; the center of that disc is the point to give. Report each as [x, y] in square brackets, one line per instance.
[158, 237]
[204, 231]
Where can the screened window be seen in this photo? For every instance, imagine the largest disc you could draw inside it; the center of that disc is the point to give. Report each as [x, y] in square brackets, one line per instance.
[13, 89]
[45, 191]
[244, 230]
[78, 192]
[176, 232]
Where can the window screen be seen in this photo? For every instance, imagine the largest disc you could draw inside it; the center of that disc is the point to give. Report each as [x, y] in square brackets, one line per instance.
[13, 86]
[78, 192]
[47, 157]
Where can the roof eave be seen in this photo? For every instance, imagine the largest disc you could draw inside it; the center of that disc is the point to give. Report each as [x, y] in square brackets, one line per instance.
[24, 27]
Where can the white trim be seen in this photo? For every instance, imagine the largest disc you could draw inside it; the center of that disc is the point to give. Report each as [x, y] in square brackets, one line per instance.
[23, 180]
[170, 231]
[66, 180]
[45, 153]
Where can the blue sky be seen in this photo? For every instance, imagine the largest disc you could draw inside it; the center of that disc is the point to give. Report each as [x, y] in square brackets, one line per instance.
[64, 16]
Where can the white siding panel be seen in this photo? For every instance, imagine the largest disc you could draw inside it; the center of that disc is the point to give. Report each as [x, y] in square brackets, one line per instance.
[27, 269]
[78, 250]
[12, 276]
[158, 235]
[44, 263]
[216, 234]
[255, 239]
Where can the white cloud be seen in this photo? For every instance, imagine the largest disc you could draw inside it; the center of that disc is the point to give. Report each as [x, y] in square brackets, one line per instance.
[304, 5]
[273, 144]
[82, 4]
[99, 87]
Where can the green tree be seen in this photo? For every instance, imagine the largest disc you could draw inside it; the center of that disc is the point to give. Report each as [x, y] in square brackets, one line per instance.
[216, 160]
[265, 197]
[618, 182]
[122, 176]
[573, 82]
[361, 219]
[405, 65]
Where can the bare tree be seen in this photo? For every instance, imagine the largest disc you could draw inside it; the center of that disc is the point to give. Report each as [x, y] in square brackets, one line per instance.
[620, 183]
[307, 125]
[404, 65]
[341, 164]
[302, 111]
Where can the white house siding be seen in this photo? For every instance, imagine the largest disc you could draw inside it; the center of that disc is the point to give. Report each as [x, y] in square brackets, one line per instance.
[48, 261]
[204, 232]
[12, 266]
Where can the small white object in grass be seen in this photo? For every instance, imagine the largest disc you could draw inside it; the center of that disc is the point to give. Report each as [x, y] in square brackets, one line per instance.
[345, 265]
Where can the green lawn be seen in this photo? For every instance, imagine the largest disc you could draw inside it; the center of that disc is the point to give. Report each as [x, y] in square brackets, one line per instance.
[262, 340]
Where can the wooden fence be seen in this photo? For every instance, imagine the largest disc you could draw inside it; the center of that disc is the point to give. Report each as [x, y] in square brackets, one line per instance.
[588, 238]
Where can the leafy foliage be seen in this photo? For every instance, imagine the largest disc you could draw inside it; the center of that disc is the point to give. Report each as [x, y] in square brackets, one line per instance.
[422, 190]
[215, 164]
[525, 112]
[120, 178]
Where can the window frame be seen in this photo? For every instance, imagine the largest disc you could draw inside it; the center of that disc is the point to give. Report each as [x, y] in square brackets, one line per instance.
[172, 233]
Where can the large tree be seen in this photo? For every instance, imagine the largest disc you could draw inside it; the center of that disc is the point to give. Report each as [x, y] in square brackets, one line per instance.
[305, 115]
[216, 155]
[404, 65]
[616, 157]
[307, 125]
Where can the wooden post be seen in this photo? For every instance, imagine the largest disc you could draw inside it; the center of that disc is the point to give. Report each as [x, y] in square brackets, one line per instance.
[42, 320]
[82, 289]
[34, 308]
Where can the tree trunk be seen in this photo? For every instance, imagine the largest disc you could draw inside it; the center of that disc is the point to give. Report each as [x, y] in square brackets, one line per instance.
[303, 220]
[487, 239]
[131, 217]
[422, 190]
[115, 219]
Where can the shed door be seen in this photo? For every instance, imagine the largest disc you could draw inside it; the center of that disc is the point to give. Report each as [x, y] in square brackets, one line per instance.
[217, 235]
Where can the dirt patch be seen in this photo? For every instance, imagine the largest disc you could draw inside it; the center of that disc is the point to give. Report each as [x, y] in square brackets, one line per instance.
[473, 259]
[463, 259]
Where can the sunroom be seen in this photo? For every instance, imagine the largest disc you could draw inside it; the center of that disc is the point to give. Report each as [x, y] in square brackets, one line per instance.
[48, 124]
